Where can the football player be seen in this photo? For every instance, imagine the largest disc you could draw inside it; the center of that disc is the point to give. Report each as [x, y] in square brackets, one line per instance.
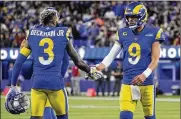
[47, 45]
[140, 45]
[48, 111]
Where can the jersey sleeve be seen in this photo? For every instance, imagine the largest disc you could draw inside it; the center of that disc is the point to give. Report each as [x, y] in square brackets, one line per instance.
[65, 64]
[160, 36]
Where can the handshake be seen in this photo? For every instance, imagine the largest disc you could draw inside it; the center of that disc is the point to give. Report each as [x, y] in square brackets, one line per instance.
[94, 74]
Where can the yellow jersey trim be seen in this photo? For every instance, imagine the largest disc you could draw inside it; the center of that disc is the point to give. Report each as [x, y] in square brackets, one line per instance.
[117, 42]
[68, 34]
[160, 31]
[25, 51]
[117, 36]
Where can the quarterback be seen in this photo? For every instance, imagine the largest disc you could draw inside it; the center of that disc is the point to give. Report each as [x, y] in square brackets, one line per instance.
[47, 44]
[140, 45]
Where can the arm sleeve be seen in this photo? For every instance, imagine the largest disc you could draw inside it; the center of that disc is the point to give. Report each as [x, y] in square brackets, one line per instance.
[65, 64]
[24, 53]
[112, 54]
[76, 58]
[9, 77]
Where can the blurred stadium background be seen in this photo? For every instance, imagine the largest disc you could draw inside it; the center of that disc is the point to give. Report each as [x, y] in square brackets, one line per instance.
[94, 25]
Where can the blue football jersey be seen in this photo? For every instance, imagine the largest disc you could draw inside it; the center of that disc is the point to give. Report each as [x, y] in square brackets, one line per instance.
[137, 51]
[48, 45]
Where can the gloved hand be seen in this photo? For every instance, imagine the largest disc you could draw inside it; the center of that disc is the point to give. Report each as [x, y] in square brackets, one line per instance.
[94, 73]
[13, 90]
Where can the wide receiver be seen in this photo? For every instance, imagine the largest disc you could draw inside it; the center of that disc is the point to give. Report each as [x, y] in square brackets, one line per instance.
[140, 45]
[47, 45]
[48, 111]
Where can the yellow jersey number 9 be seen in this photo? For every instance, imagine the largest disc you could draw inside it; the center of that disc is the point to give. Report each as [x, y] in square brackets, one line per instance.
[136, 54]
[47, 50]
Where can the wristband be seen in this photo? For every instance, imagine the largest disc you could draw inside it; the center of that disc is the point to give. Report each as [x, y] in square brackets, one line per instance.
[97, 65]
[147, 72]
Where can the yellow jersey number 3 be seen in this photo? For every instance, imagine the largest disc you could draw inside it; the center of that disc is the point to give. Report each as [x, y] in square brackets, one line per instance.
[47, 50]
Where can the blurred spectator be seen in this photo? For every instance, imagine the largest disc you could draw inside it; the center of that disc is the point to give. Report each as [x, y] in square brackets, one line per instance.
[67, 78]
[107, 73]
[89, 20]
[118, 8]
[11, 65]
[93, 32]
[101, 38]
[100, 86]
[109, 14]
[177, 39]
[75, 79]
[118, 74]
[82, 29]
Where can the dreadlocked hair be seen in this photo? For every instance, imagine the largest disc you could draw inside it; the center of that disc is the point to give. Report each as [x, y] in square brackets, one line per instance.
[48, 15]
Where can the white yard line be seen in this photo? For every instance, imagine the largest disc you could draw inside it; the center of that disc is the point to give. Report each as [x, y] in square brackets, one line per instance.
[93, 106]
[116, 98]
[112, 98]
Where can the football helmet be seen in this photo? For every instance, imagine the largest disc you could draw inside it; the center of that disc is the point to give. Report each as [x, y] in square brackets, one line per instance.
[17, 103]
[135, 10]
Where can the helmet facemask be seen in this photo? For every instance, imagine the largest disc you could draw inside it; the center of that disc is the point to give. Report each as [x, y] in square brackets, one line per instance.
[132, 21]
[18, 103]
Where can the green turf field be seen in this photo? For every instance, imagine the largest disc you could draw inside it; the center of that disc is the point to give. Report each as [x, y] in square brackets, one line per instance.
[107, 108]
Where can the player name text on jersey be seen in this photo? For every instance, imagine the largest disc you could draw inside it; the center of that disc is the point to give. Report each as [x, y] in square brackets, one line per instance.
[47, 34]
